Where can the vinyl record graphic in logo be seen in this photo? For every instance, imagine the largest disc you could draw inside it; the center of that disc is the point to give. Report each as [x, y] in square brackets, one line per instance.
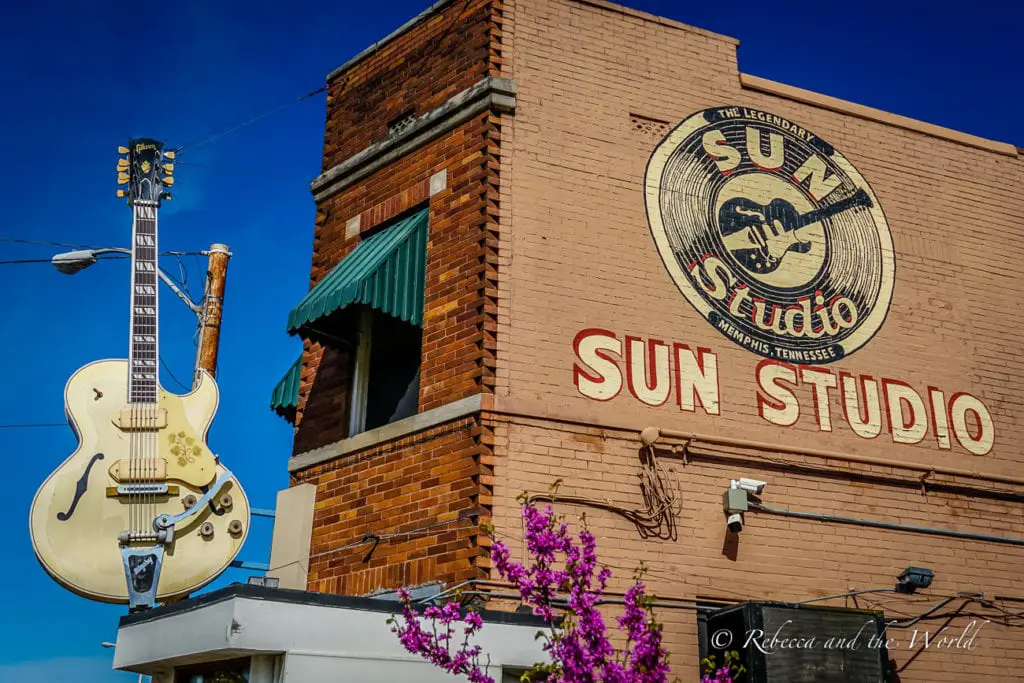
[771, 234]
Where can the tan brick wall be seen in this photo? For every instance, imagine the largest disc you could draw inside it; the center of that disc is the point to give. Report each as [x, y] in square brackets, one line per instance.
[581, 254]
[777, 558]
[597, 90]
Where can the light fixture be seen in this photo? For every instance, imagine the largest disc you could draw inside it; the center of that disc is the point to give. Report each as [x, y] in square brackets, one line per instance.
[70, 262]
[913, 578]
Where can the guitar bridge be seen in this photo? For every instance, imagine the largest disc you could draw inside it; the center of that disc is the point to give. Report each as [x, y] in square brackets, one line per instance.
[142, 489]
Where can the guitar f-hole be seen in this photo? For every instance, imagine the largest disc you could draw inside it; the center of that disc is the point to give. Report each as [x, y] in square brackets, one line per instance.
[80, 489]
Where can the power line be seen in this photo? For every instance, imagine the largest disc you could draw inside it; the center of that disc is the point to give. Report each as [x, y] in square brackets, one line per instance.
[176, 380]
[44, 243]
[104, 257]
[46, 260]
[228, 131]
[32, 425]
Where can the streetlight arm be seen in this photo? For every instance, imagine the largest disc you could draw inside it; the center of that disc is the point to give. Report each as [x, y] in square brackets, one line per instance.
[198, 310]
[70, 262]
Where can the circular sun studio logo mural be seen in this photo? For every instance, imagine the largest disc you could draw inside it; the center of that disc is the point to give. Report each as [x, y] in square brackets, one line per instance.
[771, 234]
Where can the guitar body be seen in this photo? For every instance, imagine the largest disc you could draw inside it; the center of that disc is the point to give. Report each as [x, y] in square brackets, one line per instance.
[77, 515]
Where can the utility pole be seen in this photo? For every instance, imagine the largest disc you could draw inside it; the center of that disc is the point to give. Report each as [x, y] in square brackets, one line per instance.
[212, 311]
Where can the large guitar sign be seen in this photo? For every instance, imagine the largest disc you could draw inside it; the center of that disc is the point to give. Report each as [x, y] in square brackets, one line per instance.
[142, 511]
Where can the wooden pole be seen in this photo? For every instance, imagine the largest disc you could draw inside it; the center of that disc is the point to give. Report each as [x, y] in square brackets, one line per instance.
[213, 308]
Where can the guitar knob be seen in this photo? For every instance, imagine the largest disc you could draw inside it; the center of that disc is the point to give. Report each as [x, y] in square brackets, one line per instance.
[225, 501]
[235, 528]
[189, 501]
[206, 530]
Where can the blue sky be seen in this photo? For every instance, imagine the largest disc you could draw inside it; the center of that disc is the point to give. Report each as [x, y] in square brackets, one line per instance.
[77, 83]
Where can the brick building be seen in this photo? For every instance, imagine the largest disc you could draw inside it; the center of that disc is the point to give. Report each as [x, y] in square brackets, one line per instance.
[546, 226]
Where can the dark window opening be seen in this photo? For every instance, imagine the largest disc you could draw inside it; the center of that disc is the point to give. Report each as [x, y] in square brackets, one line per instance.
[230, 671]
[394, 382]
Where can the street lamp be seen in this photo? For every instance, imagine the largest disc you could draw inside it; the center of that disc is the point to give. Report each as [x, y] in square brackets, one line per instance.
[71, 262]
[209, 312]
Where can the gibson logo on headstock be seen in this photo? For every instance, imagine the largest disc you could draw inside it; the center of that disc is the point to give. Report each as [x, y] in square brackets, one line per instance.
[771, 234]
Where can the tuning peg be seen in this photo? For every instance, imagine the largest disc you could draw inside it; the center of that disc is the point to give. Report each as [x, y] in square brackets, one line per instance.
[122, 178]
[122, 193]
[122, 149]
[122, 164]
[165, 195]
[168, 181]
[170, 154]
[168, 168]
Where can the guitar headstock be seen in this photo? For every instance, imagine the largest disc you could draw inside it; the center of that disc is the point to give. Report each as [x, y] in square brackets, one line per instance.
[146, 169]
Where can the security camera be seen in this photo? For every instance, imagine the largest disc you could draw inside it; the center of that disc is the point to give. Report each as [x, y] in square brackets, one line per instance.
[735, 522]
[754, 486]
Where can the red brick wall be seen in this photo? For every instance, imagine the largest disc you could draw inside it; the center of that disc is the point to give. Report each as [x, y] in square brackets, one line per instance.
[439, 474]
[419, 70]
[422, 487]
[458, 319]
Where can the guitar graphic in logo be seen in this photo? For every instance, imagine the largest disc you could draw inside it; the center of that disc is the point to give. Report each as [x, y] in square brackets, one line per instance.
[760, 236]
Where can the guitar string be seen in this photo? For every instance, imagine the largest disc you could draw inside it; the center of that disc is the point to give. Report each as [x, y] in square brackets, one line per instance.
[132, 392]
[154, 408]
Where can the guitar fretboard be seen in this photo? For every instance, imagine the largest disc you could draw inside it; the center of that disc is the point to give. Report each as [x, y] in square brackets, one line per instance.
[143, 359]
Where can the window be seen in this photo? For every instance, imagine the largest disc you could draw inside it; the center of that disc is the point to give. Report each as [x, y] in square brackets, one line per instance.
[232, 671]
[386, 377]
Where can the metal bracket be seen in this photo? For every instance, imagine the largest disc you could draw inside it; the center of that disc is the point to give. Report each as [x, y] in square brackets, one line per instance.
[924, 485]
[167, 521]
[142, 573]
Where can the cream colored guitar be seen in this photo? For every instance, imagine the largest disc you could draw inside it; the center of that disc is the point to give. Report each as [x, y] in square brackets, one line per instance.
[142, 511]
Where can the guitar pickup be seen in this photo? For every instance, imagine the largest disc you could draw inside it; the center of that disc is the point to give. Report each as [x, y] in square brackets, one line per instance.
[142, 489]
[134, 420]
[153, 469]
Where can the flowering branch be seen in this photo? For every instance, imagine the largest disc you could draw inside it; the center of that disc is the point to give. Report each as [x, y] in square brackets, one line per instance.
[579, 648]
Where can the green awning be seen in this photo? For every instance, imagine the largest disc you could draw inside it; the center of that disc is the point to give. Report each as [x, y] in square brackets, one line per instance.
[285, 398]
[385, 271]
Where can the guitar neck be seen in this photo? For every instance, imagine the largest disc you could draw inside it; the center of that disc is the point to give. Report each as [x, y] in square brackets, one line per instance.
[143, 356]
[859, 198]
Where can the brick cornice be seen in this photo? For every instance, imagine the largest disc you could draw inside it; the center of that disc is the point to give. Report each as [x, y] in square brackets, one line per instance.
[491, 93]
[456, 410]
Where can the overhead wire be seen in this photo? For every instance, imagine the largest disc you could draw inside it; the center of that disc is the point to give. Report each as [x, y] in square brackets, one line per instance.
[19, 240]
[248, 122]
[29, 425]
[171, 374]
[46, 260]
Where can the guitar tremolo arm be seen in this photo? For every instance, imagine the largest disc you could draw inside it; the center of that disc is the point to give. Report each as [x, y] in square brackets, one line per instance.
[167, 522]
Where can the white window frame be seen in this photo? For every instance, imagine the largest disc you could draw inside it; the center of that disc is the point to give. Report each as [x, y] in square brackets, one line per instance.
[361, 374]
